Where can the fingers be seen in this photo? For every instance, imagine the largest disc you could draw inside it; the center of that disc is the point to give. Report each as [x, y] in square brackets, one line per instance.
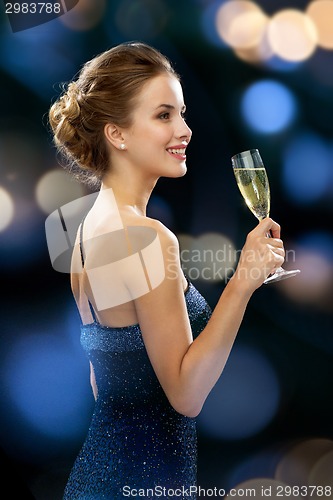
[262, 254]
[278, 250]
[268, 225]
[267, 229]
[275, 243]
[277, 256]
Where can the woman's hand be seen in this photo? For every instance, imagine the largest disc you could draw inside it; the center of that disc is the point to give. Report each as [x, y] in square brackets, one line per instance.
[261, 255]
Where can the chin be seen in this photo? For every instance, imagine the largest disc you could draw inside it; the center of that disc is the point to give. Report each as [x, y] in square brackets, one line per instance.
[180, 172]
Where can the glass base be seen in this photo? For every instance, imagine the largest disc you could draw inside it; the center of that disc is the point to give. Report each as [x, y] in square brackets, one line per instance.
[281, 274]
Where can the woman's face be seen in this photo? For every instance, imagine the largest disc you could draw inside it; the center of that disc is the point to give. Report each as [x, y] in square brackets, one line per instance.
[157, 139]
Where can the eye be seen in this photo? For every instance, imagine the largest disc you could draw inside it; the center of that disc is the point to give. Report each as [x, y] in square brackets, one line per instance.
[164, 116]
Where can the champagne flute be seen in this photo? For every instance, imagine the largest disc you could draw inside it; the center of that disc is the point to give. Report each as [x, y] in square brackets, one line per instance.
[252, 181]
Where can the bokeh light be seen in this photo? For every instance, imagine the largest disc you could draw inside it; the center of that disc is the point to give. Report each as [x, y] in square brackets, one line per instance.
[300, 459]
[322, 474]
[244, 400]
[289, 35]
[41, 376]
[268, 106]
[210, 257]
[209, 25]
[241, 23]
[292, 35]
[259, 487]
[38, 57]
[57, 188]
[255, 465]
[85, 15]
[320, 241]
[321, 13]
[6, 208]
[40, 372]
[21, 157]
[260, 53]
[307, 166]
[247, 30]
[314, 256]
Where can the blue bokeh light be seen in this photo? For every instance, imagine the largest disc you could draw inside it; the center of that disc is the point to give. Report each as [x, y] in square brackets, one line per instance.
[320, 242]
[245, 398]
[43, 381]
[268, 107]
[37, 57]
[277, 64]
[307, 165]
[208, 24]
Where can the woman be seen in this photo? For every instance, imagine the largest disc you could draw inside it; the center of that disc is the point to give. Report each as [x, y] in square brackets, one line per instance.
[122, 123]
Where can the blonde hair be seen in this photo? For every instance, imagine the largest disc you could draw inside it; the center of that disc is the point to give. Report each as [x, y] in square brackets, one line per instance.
[104, 92]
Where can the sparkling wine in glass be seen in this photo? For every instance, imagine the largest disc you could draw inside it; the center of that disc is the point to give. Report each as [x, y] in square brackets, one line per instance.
[252, 181]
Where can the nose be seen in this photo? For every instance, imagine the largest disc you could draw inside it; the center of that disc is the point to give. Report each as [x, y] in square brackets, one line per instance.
[184, 132]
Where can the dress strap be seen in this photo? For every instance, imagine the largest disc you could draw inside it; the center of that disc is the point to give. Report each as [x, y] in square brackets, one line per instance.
[82, 261]
[81, 242]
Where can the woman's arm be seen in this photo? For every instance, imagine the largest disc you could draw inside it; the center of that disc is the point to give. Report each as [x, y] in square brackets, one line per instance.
[93, 381]
[187, 369]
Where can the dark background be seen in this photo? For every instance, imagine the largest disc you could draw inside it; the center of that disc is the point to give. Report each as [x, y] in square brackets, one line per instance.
[274, 400]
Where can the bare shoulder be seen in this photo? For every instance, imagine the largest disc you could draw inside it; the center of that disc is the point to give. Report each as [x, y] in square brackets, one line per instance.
[161, 237]
[142, 231]
[166, 235]
[136, 258]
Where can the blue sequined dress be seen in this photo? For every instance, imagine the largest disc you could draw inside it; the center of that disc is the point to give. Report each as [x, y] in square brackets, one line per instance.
[136, 442]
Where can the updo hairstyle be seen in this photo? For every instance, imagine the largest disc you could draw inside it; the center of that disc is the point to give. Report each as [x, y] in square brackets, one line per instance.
[104, 92]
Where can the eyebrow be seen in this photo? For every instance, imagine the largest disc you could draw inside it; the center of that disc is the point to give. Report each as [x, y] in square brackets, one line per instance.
[169, 106]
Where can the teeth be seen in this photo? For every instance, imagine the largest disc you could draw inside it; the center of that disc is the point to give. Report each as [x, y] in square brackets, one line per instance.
[177, 151]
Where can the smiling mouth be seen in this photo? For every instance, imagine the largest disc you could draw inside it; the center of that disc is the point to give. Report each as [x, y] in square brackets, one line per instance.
[180, 151]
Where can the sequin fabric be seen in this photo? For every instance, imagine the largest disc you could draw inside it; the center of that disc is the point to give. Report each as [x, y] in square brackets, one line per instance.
[136, 441]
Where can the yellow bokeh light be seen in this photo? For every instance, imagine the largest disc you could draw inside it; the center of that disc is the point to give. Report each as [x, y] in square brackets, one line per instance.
[6, 209]
[260, 53]
[321, 13]
[211, 257]
[313, 285]
[300, 459]
[246, 30]
[321, 474]
[56, 188]
[292, 35]
[241, 23]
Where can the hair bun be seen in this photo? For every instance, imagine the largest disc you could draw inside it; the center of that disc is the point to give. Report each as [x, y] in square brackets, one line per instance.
[69, 102]
[65, 119]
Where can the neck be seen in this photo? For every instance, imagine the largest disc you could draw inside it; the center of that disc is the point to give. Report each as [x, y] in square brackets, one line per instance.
[131, 193]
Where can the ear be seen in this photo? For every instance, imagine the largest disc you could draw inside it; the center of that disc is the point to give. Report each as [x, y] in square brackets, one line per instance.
[113, 135]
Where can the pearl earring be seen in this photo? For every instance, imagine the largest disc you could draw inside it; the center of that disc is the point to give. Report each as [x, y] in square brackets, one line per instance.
[122, 146]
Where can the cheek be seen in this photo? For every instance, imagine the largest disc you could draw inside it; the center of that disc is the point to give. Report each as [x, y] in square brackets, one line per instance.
[152, 136]
[164, 135]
